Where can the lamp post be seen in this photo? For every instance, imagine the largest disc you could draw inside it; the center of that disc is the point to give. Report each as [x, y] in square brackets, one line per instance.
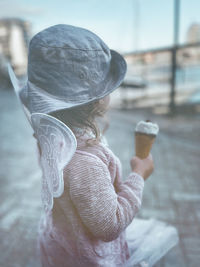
[173, 59]
[136, 23]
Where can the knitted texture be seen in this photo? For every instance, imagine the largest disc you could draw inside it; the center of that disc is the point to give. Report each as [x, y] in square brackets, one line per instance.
[87, 224]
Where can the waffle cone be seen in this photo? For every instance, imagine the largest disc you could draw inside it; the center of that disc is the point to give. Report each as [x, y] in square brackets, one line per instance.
[143, 144]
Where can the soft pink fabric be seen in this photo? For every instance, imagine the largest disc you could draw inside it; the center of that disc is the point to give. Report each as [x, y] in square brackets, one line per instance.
[87, 224]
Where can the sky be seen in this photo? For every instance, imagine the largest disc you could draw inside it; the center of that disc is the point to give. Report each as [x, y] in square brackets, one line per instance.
[124, 25]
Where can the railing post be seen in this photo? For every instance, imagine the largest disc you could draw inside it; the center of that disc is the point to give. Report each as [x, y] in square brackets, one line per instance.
[173, 81]
[172, 104]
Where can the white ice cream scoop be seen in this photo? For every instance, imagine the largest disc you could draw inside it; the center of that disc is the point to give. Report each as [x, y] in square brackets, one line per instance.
[147, 127]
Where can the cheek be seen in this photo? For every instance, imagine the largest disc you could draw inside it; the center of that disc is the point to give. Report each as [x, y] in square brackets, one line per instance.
[107, 100]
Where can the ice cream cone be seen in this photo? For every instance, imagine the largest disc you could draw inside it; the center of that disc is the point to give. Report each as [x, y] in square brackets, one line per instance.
[143, 144]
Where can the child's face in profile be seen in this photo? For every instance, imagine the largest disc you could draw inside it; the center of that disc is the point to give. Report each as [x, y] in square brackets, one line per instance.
[106, 101]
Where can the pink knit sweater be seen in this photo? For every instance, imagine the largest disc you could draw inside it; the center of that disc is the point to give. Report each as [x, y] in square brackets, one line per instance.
[87, 224]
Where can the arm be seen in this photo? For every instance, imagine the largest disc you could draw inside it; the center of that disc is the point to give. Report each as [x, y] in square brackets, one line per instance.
[103, 211]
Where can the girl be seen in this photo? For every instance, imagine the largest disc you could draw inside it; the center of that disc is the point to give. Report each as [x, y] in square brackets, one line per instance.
[71, 73]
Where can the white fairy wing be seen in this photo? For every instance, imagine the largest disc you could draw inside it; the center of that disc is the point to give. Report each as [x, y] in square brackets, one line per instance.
[58, 144]
[18, 91]
[148, 241]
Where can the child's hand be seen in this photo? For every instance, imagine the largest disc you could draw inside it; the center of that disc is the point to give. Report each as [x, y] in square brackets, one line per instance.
[143, 167]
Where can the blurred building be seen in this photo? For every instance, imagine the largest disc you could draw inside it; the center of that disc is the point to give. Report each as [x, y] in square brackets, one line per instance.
[193, 33]
[191, 55]
[14, 37]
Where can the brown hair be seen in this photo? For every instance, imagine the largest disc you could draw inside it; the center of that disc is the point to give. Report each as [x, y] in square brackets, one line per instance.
[84, 116]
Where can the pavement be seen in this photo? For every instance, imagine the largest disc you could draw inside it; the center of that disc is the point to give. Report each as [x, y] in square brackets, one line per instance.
[171, 194]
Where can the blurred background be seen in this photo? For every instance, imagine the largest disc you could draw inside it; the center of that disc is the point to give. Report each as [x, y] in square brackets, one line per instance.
[160, 41]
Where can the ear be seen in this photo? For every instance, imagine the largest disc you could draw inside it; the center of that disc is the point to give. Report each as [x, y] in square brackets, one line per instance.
[101, 101]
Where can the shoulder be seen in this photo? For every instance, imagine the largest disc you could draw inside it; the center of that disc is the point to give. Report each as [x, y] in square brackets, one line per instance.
[96, 161]
[83, 156]
[85, 167]
[98, 151]
[106, 154]
[98, 154]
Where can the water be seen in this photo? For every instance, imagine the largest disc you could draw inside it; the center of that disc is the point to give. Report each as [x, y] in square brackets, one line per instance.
[188, 74]
[195, 98]
[183, 74]
[187, 79]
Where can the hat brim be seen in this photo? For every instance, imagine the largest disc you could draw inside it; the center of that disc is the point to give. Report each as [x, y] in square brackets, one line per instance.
[115, 76]
[17, 89]
[42, 102]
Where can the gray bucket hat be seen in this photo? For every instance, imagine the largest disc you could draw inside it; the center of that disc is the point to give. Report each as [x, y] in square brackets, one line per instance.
[69, 66]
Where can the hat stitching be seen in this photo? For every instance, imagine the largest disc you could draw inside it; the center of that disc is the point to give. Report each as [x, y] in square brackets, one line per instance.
[70, 48]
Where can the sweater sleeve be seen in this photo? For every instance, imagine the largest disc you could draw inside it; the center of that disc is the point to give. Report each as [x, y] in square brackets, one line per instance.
[105, 212]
